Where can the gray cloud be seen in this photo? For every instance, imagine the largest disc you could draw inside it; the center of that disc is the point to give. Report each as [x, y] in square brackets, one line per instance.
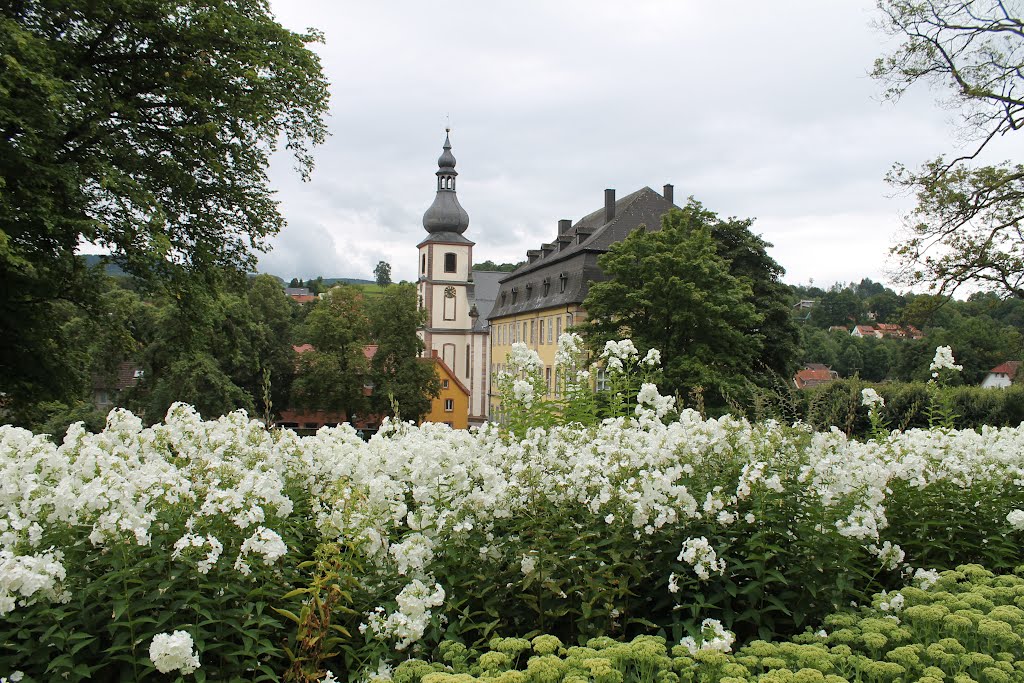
[757, 109]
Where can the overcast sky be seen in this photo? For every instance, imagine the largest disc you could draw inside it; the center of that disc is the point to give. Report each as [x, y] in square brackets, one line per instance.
[757, 109]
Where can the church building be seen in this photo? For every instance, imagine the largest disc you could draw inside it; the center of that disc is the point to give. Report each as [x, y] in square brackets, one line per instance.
[456, 298]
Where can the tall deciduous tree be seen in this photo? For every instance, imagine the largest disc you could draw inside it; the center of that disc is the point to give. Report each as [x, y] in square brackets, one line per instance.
[382, 273]
[397, 369]
[967, 224]
[747, 255]
[332, 374]
[670, 289]
[144, 126]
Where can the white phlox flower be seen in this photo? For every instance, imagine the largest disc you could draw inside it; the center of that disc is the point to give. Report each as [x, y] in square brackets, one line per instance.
[523, 392]
[925, 578]
[186, 543]
[409, 622]
[413, 554]
[523, 358]
[713, 636]
[264, 542]
[891, 602]
[26, 578]
[649, 396]
[698, 553]
[943, 360]
[173, 652]
[870, 398]
[891, 555]
[1016, 519]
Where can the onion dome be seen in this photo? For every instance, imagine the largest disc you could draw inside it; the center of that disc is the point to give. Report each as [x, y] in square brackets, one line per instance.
[446, 214]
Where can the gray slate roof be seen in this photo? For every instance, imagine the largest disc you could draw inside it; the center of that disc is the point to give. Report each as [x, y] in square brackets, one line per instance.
[485, 286]
[574, 256]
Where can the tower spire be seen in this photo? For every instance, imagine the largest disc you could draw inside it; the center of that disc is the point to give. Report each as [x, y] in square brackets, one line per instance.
[446, 214]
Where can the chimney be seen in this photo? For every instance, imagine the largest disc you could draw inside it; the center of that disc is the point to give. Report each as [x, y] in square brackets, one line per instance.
[564, 226]
[609, 205]
[667, 193]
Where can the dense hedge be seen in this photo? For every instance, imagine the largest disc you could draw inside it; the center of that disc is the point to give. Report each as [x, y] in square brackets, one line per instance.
[906, 405]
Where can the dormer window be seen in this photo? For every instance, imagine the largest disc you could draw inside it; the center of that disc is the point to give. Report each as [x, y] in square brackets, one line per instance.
[503, 295]
[515, 293]
[529, 290]
[547, 286]
[562, 280]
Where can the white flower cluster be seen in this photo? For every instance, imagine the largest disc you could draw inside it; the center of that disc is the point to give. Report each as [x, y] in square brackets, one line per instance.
[891, 555]
[523, 358]
[413, 554]
[25, 578]
[408, 623]
[173, 652]
[528, 564]
[925, 578]
[713, 636]
[618, 353]
[1016, 519]
[190, 541]
[943, 360]
[698, 553]
[870, 398]
[659, 405]
[891, 602]
[264, 542]
[123, 485]
[523, 391]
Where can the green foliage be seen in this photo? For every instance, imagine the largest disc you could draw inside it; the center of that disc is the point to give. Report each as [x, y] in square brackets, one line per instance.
[382, 273]
[332, 374]
[144, 127]
[907, 406]
[398, 372]
[672, 290]
[499, 267]
[964, 228]
[214, 347]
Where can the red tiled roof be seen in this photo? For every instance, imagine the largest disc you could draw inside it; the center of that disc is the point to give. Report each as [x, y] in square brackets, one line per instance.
[1008, 368]
[812, 377]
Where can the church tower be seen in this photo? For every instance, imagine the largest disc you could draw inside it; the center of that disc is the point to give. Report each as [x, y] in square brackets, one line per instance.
[445, 282]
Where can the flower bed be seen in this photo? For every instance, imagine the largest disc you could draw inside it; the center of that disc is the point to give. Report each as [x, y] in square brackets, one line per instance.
[276, 553]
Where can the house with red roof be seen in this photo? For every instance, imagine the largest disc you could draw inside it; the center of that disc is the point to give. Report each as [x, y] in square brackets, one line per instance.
[814, 375]
[1002, 375]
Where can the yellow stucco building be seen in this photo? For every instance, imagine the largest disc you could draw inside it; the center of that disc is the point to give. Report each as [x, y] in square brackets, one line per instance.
[452, 405]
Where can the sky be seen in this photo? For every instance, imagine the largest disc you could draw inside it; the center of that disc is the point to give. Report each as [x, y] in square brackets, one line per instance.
[758, 110]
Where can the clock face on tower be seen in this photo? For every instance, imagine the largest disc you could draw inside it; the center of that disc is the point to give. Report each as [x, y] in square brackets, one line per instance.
[449, 292]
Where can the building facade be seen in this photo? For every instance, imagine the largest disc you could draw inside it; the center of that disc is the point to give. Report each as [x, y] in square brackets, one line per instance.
[453, 295]
[544, 297]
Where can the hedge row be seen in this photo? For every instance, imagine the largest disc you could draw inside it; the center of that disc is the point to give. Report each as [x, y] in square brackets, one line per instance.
[838, 404]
